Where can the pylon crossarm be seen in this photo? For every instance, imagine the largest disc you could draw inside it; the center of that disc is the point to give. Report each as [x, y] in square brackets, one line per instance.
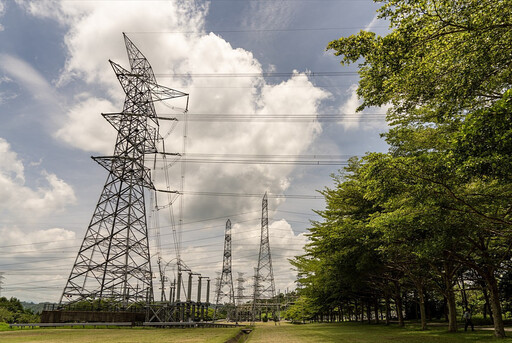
[162, 93]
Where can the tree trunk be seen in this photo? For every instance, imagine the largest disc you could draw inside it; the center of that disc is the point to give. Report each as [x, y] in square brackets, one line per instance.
[445, 308]
[450, 302]
[487, 305]
[494, 299]
[369, 312]
[399, 305]
[423, 313]
[356, 310]
[376, 310]
[388, 310]
[463, 291]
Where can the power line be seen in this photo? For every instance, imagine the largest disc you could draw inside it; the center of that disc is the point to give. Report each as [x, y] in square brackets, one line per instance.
[264, 74]
[269, 162]
[71, 248]
[256, 195]
[252, 87]
[298, 29]
[355, 1]
[165, 226]
[285, 118]
[276, 156]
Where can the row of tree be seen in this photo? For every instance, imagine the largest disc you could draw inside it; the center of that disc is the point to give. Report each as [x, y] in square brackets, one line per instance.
[12, 311]
[438, 205]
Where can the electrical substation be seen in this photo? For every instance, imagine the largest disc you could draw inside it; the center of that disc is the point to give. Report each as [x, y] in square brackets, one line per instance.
[112, 279]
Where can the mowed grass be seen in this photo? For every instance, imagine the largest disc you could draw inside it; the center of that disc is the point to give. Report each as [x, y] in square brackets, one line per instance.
[121, 335]
[263, 332]
[362, 333]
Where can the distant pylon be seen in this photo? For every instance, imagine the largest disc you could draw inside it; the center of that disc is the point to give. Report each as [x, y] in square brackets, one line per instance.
[114, 261]
[264, 287]
[226, 278]
[240, 280]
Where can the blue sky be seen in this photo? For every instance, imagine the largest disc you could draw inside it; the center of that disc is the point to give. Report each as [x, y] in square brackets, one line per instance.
[55, 80]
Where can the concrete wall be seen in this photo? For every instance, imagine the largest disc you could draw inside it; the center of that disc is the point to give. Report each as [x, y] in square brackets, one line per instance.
[91, 316]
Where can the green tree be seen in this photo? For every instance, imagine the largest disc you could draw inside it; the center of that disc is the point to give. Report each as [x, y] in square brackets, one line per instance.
[446, 76]
[303, 309]
[442, 54]
[418, 238]
[342, 262]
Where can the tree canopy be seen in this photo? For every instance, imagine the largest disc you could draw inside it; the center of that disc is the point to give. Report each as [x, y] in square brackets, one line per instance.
[446, 55]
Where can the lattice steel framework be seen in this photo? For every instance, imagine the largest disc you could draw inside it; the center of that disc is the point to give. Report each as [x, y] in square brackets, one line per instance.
[264, 287]
[226, 278]
[114, 261]
[240, 280]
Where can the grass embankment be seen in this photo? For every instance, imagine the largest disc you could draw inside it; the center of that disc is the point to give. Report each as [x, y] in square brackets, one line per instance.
[117, 335]
[361, 333]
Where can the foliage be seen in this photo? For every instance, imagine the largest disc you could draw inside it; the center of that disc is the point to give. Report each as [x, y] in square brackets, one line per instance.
[303, 309]
[12, 311]
[440, 54]
[411, 223]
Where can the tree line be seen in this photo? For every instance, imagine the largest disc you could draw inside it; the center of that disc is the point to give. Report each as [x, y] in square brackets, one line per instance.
[433, 215]
[12, 311]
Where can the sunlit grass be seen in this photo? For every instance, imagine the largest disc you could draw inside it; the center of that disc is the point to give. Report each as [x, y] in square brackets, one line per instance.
[263, 332]
[117, 335]
[363, 333]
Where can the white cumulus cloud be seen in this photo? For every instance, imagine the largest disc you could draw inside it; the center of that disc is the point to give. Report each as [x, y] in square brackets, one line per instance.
[22, 202]
[24, 242]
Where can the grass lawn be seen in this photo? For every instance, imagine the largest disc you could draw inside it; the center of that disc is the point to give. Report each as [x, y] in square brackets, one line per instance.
[361, 333]
[264, 332]
[114, 335]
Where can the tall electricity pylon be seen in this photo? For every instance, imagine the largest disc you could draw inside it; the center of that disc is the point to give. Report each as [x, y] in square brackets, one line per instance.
[226, 278]
[264, 287]
[113, 261]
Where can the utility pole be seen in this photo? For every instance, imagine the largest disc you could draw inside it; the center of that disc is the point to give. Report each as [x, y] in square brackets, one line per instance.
[113, 261]
[226, 278]
[264, 287]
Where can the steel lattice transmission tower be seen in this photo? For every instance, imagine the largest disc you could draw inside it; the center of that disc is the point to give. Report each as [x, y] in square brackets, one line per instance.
[240, 297]
[264, 287]
[226, 278]
[114, 260]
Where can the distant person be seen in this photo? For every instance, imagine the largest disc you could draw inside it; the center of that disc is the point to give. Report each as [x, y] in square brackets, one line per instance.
[467, 320]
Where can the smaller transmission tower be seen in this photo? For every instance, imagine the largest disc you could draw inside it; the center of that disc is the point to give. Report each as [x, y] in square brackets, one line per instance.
[226, 278]
[240, 280]
[264, 287]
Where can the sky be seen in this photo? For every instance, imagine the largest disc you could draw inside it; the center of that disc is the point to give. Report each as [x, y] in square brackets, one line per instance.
[250, 66]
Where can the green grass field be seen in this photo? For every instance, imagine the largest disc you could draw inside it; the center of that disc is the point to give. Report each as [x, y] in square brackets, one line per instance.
[362, 333]
[267, 333]
[114, 335]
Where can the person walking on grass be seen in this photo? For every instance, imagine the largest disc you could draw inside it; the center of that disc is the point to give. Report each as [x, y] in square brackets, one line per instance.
[467, 320]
